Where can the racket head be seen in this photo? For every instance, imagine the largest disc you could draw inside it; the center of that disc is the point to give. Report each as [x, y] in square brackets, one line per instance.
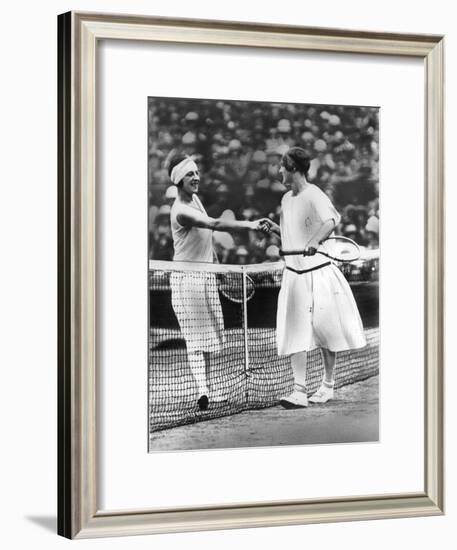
[231, 287]
[340, 249]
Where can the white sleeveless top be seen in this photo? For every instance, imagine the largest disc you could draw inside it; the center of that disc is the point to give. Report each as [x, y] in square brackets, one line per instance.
[301, 217]
[191, 244]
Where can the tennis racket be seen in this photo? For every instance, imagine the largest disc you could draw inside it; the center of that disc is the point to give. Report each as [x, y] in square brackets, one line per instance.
[231, 286]
[340, 249]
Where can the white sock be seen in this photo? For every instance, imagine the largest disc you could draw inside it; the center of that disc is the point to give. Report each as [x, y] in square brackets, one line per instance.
[298, 363]
[198, 368]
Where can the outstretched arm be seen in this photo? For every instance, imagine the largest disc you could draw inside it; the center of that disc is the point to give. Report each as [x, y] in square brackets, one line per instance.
[198, 219]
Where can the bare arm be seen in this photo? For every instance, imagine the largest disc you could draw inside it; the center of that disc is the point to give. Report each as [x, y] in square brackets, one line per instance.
[198, 219]
[323, 232]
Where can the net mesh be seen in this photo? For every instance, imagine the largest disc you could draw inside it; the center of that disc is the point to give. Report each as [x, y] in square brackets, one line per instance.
[210, 333]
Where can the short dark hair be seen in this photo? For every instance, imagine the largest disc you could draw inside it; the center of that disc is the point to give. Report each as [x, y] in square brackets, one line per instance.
[175, 160]
[296, 159]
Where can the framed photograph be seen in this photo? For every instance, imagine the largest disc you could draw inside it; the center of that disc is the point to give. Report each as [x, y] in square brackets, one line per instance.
[250, 275]
[219, 344]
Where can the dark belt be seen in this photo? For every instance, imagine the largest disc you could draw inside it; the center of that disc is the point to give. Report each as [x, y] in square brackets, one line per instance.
[300, 271]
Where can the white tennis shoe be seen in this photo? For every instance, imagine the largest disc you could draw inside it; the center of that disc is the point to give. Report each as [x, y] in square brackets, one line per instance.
[296, 400]
[324, 393]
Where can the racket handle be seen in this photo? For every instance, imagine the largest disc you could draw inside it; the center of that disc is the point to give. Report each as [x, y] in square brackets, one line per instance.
[299, 253]
[293, 253]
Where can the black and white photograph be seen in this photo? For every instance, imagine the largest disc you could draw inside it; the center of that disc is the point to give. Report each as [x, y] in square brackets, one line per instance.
[263, 256]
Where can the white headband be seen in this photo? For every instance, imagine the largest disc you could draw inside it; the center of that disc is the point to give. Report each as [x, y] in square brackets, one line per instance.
[181, 169]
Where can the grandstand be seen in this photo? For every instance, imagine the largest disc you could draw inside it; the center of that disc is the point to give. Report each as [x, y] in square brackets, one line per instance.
[238, 146]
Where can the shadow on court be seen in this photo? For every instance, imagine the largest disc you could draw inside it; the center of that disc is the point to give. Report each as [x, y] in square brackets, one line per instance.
[353, 416]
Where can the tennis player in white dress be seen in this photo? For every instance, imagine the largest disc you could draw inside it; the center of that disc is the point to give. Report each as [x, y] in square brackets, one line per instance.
[316, 308]
[194, 294]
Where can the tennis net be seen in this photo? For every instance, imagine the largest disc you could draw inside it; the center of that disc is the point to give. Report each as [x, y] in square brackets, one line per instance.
[229, 312]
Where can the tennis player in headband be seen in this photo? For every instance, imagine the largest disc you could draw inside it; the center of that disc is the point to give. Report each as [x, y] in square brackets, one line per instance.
[316, 308]
[195, 298]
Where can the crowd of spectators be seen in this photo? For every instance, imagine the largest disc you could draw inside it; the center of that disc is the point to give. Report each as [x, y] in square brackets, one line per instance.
[238, 147]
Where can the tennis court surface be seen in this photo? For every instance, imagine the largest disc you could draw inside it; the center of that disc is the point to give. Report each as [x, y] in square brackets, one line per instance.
[352, 417]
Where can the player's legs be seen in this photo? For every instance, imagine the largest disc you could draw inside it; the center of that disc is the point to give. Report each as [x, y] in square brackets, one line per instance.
[197, 307]
[329, 358]
[325, 391]
[336, 323]
[199, 365]
[198, 369]
[298, 398]
[299, 362]
[216, 394]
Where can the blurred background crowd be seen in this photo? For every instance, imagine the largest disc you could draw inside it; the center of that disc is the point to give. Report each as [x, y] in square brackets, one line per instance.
[238, 146]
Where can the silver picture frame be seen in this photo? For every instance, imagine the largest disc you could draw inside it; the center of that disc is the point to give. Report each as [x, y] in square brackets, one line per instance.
[78, 513]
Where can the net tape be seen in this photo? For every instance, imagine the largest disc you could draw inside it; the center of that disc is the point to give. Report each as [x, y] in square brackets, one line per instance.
[242, 366]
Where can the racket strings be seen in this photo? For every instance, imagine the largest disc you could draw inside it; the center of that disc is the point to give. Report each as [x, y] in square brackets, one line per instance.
[236, 287]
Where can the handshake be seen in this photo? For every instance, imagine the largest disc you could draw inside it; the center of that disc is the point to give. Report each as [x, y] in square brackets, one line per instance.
[265, 225]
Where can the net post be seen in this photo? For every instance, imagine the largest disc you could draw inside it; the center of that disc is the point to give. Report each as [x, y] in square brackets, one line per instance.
[245, 323]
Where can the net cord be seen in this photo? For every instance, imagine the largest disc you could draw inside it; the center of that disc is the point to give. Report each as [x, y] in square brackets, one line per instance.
[166, 265]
